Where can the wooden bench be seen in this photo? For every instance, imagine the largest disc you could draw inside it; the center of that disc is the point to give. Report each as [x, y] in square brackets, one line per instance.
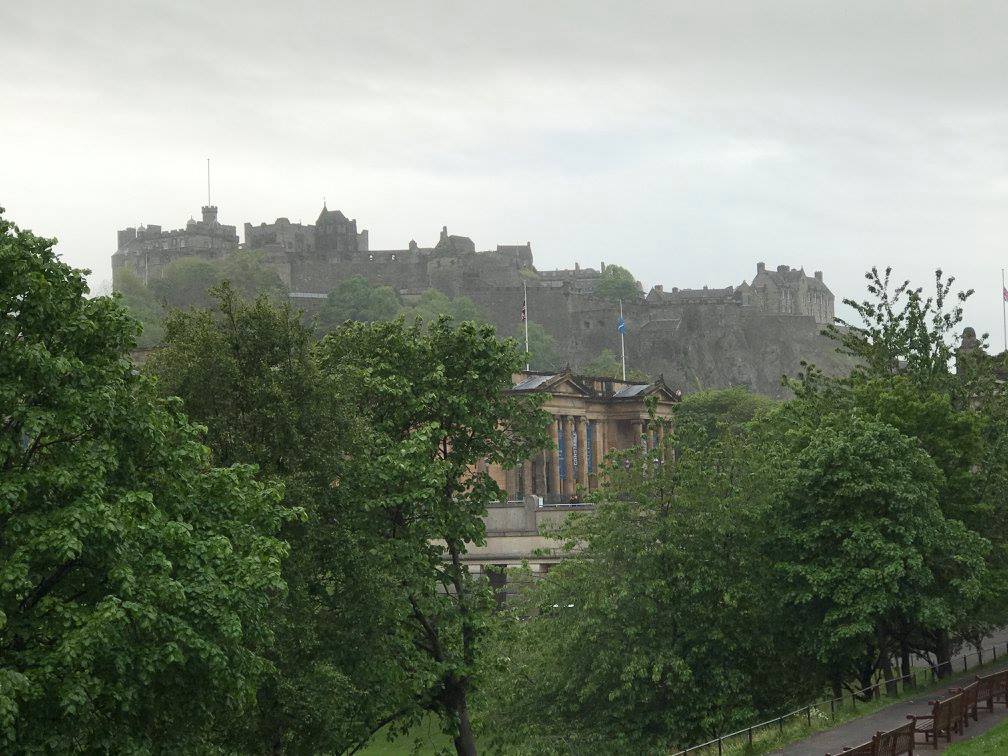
[865, 749]
[944, 719]
[992, 688]
[893, 743]
[968, 701]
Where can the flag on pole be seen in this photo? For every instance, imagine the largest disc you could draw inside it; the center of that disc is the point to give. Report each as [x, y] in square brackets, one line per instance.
[1004, 293]
[524, 314]
[621, 326]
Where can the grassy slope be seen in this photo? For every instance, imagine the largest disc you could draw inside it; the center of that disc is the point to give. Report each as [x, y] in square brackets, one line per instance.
[995, 741]
[425, 738]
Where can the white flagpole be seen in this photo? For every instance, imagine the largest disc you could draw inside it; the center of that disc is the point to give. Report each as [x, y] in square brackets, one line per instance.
[622, 344]
[528, 357]
[1004, 321]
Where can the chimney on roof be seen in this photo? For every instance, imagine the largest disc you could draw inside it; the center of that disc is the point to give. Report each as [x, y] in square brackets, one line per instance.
[760, 268]
[818, 275]
[577, 265]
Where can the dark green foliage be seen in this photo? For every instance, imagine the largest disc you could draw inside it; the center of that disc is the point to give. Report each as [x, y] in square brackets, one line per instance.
[186, 283]
[357, 299]
[249, 372]
[609, 365]
[435, 407]
[617, 283]
[542, 354]
[432, 304]
[716, 410]
[865, 551]
[134, 575]
[657, 630]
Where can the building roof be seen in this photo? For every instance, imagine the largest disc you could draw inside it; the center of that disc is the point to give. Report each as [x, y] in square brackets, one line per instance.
[601, 387]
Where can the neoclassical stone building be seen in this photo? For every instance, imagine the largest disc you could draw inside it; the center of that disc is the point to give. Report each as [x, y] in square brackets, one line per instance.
[592, 416]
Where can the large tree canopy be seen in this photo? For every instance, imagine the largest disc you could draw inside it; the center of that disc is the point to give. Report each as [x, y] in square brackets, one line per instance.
[133, 573]
[436, 411]
[248, 371]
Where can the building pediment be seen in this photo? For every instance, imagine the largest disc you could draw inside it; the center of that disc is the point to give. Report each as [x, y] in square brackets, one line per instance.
[562, 383]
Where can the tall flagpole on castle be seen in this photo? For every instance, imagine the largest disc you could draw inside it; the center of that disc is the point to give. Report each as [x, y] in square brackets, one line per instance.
[1004, 320]
[528, 358]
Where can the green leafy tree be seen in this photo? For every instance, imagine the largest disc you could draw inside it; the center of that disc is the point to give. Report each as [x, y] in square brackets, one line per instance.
[616, 282]
[905, 345]
[609, 365]
[867, 554]
[250, 275]
[718, 410]
[542, 354]
[249, 372]
[186, 282]
[358, 299]
[435, 409]
[134, 575]
[640, 640]
[143, 305]
[433, 304]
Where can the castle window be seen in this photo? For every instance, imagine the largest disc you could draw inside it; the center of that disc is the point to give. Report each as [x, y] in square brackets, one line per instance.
[587, 325]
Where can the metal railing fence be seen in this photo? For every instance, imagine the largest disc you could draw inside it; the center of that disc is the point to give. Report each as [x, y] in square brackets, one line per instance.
[748, 736]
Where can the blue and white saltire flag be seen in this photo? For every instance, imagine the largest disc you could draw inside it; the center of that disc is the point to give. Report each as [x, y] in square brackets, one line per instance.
[621, 326]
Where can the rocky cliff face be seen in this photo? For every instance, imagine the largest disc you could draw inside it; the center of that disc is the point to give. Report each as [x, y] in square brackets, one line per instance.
[707, 350]
[695, 346]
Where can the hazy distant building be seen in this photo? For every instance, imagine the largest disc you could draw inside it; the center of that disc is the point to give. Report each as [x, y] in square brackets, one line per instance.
[745, 335]
[146, 250]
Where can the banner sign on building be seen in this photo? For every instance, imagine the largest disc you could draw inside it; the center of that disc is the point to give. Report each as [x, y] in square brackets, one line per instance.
[561, 450]
[590, 442]
[574, 444]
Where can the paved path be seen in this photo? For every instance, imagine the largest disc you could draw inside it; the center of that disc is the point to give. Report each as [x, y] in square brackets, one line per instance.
[859, 731]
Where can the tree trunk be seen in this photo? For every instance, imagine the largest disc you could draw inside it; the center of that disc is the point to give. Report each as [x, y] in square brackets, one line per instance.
[465, 741]
[905, 669]
[891, 686]
[943, 651]
[904, 658]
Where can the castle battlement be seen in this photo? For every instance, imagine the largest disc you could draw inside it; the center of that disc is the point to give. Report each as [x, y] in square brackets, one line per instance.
[146, 250]
[781, 304]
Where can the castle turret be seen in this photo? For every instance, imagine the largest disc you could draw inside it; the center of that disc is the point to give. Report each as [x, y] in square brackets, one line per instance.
[209, 214]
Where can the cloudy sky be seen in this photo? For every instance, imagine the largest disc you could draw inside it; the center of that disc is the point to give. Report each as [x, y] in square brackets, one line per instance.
[684, 140]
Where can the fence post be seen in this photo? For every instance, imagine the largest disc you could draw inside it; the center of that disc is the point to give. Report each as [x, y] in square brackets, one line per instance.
[780, 723]
[853, 701]
[832, 709]
[808, 714]
[750, 737]
[719, 746]
[964, 663]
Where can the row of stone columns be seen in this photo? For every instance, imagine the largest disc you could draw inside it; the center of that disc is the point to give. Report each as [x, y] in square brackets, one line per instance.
[541, 474]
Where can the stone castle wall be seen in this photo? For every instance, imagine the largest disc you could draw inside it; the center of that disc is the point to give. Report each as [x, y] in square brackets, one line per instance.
[746, 335]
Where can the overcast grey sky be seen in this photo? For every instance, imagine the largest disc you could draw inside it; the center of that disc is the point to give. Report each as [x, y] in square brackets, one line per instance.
[684, 140]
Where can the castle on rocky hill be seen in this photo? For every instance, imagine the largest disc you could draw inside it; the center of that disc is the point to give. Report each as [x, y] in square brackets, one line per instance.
[749, 334]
